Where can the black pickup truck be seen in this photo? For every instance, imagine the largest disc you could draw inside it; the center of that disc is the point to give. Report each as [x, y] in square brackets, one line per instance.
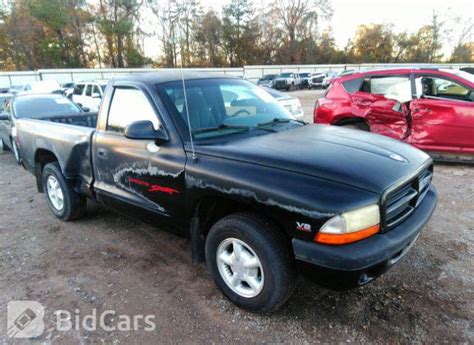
[261, 195]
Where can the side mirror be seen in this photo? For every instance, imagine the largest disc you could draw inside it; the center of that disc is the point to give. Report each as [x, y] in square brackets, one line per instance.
[96, 95]
[85, 109]
[145, 130]
[4, 117]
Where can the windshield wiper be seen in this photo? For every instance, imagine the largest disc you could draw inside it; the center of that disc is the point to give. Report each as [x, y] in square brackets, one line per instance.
[280, 120]
[224, 126]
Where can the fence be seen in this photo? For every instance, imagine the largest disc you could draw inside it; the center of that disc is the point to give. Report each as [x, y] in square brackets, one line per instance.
[252, 73]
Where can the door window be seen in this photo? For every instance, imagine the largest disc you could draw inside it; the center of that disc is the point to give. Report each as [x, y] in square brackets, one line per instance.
[381, 85]
[444, 88]
[89, 90]
[353, 85]
[129, 105]
[78, 89]
[96, 90]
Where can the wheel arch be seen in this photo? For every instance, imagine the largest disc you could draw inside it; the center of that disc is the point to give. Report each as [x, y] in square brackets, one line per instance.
[42, 157]
[349, 119]
[208, 210]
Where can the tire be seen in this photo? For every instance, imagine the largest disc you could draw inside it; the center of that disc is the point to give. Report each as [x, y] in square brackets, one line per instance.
[275, 277]
[3, 146]
[73, 204]
[16, 151]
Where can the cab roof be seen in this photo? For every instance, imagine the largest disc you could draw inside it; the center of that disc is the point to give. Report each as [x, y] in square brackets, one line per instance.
[175, 75]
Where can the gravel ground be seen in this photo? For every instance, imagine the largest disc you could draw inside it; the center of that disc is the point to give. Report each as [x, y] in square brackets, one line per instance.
[107, 262]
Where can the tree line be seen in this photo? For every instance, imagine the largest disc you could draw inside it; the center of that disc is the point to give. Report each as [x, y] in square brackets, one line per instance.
[38, 34]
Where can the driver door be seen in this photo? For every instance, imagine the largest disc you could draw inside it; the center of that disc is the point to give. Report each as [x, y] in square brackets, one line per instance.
[135, 176]
[443, 117]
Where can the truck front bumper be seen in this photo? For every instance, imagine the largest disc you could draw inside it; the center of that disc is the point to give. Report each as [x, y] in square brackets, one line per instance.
[355, 264]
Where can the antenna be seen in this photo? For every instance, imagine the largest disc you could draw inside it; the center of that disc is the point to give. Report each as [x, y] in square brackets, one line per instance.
[187, 110]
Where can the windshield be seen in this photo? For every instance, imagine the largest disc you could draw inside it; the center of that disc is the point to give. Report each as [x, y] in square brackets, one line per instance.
[285, 75]
[221, 104]
[305, 75]
[37, 107]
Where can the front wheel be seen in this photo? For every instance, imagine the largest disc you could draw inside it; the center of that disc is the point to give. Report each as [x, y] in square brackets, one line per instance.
[251, 263]
[63, 201]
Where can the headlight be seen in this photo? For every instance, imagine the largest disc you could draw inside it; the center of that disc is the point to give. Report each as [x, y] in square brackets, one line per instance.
[350, 226]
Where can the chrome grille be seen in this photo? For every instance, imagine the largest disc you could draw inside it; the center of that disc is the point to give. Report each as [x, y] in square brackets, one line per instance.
[280, 84]
[401, 202]
[318, 79]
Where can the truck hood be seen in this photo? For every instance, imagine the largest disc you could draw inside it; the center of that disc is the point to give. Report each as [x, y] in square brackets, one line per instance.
[360, 159]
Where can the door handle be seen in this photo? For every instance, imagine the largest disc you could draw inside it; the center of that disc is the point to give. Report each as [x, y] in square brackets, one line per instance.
[101, 152]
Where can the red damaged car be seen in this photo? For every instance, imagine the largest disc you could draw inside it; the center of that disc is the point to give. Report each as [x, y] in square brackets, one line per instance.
[432, 109]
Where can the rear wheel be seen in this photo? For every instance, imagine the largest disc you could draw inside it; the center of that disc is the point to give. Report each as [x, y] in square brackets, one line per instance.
[63, 201]
[251, 263]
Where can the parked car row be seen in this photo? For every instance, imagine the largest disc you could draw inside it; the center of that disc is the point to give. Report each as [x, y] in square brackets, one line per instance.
[303, 80]
[262, 195]
[42, 86]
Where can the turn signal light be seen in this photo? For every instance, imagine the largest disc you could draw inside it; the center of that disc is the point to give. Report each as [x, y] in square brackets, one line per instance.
[338, 239]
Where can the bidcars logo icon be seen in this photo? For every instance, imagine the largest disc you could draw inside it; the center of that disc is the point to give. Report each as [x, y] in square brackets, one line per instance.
[25, 319]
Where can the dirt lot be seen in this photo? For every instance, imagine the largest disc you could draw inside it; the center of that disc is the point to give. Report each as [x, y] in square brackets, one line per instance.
[108, 262]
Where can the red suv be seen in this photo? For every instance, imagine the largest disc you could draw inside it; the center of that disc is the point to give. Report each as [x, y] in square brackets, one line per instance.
[432, 109]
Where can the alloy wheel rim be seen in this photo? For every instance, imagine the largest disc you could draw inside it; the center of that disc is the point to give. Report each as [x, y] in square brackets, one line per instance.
[55, 193]
[240, 268]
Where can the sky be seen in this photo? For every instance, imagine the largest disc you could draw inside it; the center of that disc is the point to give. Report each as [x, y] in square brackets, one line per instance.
[406, 15]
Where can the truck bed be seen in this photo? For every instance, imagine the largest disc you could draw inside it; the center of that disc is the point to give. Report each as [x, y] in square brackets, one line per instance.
[67, 137]
[82, 120]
